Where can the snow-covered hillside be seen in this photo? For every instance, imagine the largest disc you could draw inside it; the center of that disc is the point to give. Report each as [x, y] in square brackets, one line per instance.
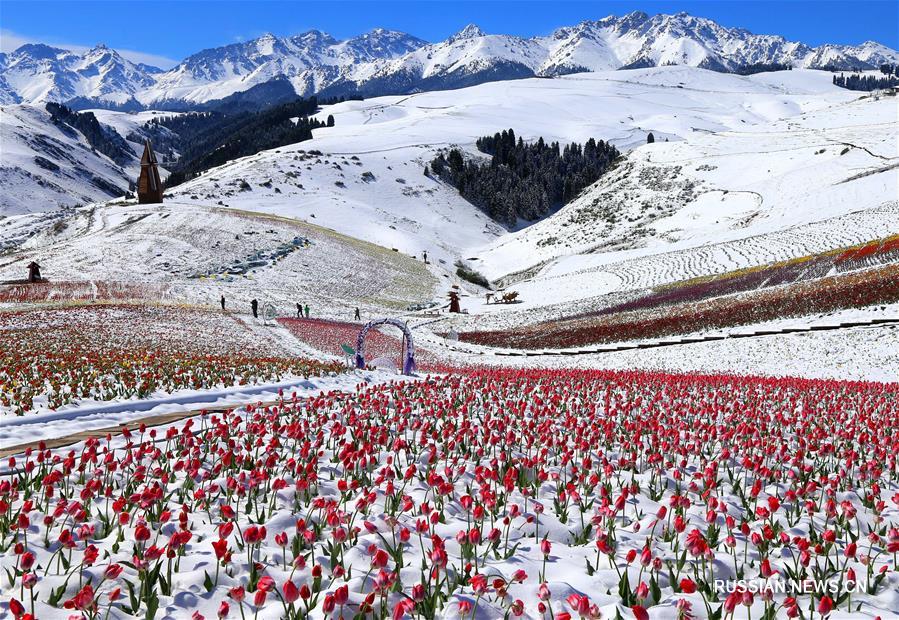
[47, 165]
[183, 252]
[393, 139]
[388, 62]
[723, 186]
[129, 125]
[755, 169]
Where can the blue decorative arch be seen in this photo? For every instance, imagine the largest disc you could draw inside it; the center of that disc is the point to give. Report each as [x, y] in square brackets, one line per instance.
[409, 358]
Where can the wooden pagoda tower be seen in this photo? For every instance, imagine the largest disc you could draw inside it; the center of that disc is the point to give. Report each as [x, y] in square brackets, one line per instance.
[149, 185]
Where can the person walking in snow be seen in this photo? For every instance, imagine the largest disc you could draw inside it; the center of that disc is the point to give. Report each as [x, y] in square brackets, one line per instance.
[255, 305]
[299, 310]
[222, 301]
[307, 311]
[357, 317]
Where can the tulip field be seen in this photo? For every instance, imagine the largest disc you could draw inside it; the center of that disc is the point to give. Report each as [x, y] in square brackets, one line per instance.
[549, 495]
[639, 319]
[52, 357]
[92, 290]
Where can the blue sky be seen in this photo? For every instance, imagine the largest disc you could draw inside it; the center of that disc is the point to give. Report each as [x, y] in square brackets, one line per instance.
[162, 32]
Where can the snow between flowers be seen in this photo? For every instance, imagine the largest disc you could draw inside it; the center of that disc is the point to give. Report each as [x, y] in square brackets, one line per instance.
[538, 494]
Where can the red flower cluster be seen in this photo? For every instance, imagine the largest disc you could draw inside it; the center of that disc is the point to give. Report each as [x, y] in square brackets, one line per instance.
[497, 494]
[93, 290]
[52, 357]
[678, 312]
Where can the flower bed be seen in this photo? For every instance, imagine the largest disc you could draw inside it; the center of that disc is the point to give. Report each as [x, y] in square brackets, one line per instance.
[851, 290]
[52, 357]
[805, 268]
[498, 494]
[98, 290]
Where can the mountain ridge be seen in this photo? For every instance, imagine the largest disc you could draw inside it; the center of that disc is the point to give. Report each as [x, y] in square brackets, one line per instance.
[385, 61]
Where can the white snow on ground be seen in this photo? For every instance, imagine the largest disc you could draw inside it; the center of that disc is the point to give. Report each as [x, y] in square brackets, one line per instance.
[43, 166]
[198, 253]
[32, 145]
[85, 416]
[862, 353]
[794, 181]
[393, 138]
[498, 321]
[584, 281]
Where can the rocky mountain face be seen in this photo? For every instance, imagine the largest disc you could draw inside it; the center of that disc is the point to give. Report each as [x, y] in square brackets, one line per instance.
[37, 73]
[54, 158]
[388, 62]
[311, 62]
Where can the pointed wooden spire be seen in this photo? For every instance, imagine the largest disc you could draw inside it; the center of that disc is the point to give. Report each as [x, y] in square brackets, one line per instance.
[149, 185]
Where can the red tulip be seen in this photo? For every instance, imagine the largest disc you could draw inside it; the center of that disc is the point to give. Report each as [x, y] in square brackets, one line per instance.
[291, 592]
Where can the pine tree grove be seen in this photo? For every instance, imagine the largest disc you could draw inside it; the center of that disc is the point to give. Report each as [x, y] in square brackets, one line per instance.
[524, 181]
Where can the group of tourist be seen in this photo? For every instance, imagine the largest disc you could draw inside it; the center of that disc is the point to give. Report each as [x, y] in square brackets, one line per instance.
[302, 311]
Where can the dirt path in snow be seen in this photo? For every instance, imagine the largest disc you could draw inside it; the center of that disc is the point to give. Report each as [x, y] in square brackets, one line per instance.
[100, 433]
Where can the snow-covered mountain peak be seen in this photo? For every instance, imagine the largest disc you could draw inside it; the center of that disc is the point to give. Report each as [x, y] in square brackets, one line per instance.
[471, 31]
[381, 44]
[37, 51]
[384, 61]
[383, 35]
[631, 21]
[313, 39]
[100, 54]
[38, 73]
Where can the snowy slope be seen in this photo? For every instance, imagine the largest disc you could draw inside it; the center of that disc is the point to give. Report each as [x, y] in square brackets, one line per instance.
[130, 125]
[50, 165]
[723, 186]
[393, 138]
[194, 254]
[755, 172]
[45, 166]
